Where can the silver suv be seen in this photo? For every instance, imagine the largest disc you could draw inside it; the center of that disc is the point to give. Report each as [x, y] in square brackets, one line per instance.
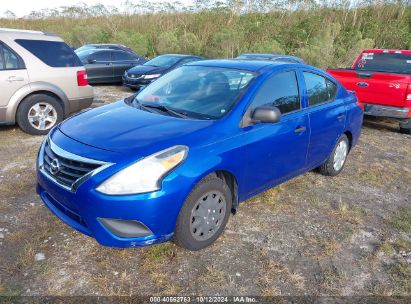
[42, 80]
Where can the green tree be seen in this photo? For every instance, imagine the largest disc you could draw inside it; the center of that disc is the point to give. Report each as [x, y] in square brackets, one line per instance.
[226, 43]
[189, 44]
[167, 42]
[135, 40]
[267, 46]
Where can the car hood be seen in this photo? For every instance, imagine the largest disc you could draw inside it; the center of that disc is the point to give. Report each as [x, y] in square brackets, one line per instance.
[146, 69]
[122, 128]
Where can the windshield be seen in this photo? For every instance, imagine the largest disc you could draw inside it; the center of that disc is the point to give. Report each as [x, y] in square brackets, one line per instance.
[165, 61]
[197, 91]
[385, 62]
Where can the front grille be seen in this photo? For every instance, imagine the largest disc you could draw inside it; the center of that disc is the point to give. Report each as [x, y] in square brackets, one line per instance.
[65, 170]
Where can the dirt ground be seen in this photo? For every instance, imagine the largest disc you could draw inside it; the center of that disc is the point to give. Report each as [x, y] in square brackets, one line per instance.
[314, 235]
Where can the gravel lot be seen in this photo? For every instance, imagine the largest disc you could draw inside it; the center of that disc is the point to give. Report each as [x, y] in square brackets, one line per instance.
[347, 235]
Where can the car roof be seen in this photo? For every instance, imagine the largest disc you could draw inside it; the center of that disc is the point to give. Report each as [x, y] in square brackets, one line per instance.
[242, 64]
[270, 56]
[28, 34]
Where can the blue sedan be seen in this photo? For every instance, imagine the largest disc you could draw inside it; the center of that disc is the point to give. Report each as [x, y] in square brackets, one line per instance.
[176, 159]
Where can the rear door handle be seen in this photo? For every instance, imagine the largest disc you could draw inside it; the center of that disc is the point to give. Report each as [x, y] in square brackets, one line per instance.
[362, 84]
[340, 117]
[15, 78]
[299, 129]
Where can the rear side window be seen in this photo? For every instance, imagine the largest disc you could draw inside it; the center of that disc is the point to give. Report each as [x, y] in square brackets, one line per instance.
[319, 89]
[384, 62]
[280, 90]
[8, 59]
[56, 54]
[120, 56]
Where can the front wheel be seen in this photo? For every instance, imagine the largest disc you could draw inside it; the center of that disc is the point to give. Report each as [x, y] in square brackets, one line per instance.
[336, 161]
[204, 214]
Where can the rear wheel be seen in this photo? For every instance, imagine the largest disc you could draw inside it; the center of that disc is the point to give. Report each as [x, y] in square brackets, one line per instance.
[38, 113]
[204, 214]
[336, 161]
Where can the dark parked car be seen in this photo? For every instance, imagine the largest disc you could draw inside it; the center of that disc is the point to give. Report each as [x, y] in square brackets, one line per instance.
[142, 75]
[107, 66]
[271, 57]
[109, 46]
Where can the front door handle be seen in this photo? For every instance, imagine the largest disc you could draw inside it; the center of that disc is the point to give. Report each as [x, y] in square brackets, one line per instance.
[299, 129]
[340, 117]
[362, 84]
[15, 78]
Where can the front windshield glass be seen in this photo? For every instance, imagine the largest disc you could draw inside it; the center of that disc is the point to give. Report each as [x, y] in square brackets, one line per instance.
[165, 61]
[197, 91]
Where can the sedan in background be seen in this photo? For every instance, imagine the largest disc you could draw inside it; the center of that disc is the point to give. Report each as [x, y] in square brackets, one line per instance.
[142, 75]
[271, 57]
[106, 65]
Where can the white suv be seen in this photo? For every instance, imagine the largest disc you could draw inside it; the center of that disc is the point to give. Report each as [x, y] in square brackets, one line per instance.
[42, 80]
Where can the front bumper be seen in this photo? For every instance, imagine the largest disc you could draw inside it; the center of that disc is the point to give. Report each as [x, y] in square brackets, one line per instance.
[386, 111]
[85, 209]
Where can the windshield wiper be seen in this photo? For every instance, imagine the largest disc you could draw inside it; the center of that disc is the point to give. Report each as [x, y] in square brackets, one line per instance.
[163, 108]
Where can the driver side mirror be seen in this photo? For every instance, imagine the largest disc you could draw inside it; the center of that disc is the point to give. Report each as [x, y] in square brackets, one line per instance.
[91, 61]
[266, 114]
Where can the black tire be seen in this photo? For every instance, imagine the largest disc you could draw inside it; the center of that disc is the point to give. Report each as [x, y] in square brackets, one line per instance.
[183, 236]
[28, 103]
[405, 126]
[328, 168]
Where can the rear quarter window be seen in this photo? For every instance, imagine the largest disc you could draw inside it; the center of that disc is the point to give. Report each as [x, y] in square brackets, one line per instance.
[56, 54]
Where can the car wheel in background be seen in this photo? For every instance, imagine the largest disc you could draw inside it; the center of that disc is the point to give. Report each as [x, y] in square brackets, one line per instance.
[38, 113]
[336, 161]
[405, 126]
[204, 214]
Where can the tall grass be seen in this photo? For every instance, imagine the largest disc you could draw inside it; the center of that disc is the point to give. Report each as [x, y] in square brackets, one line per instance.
[325, 35]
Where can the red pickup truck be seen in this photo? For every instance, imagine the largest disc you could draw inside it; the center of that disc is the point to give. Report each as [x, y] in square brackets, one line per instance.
[382, 81]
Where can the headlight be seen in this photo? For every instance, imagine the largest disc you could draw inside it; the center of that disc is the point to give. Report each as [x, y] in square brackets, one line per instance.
[146, 174]
[151, 76]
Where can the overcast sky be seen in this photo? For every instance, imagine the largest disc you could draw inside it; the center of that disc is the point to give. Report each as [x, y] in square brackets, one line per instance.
[24, 7]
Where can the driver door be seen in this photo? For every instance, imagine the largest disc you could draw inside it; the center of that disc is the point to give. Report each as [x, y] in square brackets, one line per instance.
[276, 151]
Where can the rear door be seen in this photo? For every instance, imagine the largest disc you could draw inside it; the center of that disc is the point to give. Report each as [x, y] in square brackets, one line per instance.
[13, 74]
[99, 67]
[382, 78]
[327, 115]
[122, 61]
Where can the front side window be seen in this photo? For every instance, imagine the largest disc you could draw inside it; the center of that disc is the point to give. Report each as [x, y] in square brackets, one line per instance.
[280, 90]
[56, 54]
[197, 91]
[122, 56]
[100, 56]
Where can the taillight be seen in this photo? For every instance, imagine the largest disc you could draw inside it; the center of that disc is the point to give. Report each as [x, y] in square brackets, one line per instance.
[408, 93]
[360, 104]
[82, 78]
